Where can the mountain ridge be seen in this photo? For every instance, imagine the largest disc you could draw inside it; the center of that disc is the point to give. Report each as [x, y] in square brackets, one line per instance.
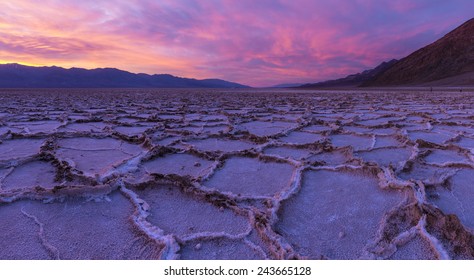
[445, 59]
[449, 61]
[15, 75]
[353, 80]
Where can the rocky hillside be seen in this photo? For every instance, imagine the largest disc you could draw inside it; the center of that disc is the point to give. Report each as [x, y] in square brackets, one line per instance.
[448, 61]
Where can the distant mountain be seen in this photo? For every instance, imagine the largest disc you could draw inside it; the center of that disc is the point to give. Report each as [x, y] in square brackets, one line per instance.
[448, 61]
[287, 85]
[21, 76]
[353, 80]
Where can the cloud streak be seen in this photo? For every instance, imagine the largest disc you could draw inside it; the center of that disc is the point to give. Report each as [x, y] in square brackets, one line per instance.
[253, 42]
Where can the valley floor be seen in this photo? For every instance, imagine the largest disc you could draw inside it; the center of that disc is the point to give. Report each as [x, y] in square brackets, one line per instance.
[236, 174]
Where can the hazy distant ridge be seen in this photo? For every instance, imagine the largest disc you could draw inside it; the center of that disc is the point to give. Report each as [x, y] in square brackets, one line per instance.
[353, 80]
[21, 76]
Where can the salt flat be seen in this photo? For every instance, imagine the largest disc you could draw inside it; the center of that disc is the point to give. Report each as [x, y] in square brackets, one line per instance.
[236, 174]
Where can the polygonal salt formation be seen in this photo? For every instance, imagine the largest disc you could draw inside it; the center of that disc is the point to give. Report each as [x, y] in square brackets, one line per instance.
[84, 127]
[180, 213]
[94, 156]
[218, 144]
[418, 248]
[466, 142]
[73, 229]
[386, 156]
[260, 128]
[356, 141]
[379, 121]
[19, 148]
[219, 249]
[442, 157]
[33, 127]
[180, 164]
[297, 137]
[433, 137]
[429, 175]
[336, 213]
[316, 128]
[287, 152]
[30, 175]
[386, 141]
[457, 197]
[131, 130]
[251, 177]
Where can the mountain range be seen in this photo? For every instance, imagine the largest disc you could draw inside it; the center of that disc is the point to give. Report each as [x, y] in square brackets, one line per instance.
[20, 76]
[353, 80]
[447, 62]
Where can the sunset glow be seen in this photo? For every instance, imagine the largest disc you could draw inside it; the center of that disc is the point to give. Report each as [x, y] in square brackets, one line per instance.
[259, 43]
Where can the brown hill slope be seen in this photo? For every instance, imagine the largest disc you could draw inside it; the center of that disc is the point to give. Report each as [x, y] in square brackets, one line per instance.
[353, 80]
[450, 56]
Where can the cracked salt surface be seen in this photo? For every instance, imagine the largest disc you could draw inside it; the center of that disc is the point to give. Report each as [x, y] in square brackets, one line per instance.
[78, 229]
[204, 174]
[180, 164]
[287, 152]
[190, 222]
[335, 214]
[262, 128]
[92, 156]
[220, 248]
[217, 144]
[415, 249]
[251, 177]
[455, 198]
[19, 148]
[297, 137]
[358, 142]
[386, 156]
[30, 175]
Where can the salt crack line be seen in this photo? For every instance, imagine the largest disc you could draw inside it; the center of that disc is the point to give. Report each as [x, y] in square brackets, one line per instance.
[256, 248]
[2, 178]
[214, 235]
[434, 242]
[126, 166]
[206, 173]
[461, 205]
[171, 246]
[388, 179]
[419, 191]
[374, 141]
[53, 251]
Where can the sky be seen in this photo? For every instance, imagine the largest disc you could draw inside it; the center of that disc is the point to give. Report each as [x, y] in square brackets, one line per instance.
[253, 42]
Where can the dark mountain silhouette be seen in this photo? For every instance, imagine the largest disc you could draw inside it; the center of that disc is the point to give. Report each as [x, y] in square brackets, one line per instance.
[448, 61]
[287, 85]
[21, 76]
[353, 80]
